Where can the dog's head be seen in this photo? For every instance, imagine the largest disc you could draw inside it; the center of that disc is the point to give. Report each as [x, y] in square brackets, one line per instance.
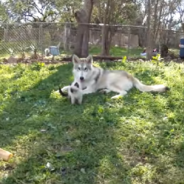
[82, 67]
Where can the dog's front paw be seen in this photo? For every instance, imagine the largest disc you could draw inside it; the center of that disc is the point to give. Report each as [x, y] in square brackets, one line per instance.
[117, 97]
[105, 91]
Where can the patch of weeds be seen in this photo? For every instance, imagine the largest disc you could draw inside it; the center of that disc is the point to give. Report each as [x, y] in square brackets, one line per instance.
[37, 65]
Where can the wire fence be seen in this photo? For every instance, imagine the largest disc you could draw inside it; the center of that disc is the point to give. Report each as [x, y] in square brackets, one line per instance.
[129, 40]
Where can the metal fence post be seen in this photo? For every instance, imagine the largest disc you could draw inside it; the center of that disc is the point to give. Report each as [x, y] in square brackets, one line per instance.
[41, 38]
[6, 30]
[67, 30]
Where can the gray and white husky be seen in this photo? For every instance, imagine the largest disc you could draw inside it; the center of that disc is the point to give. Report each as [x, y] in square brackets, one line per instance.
[94, 78]
[74, 92]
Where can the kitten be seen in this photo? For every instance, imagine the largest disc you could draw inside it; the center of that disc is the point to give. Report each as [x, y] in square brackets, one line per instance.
[74, 93]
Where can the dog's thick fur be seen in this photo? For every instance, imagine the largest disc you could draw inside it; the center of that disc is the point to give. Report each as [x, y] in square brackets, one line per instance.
[93, 78]
[74, 92]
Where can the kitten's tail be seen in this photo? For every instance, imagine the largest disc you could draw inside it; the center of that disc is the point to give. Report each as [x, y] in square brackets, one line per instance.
[62, 93]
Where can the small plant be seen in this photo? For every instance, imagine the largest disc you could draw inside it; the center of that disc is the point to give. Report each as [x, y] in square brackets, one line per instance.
[124, 59]
[34, 51]
[37, 65]
[23, 49]
[11, 51]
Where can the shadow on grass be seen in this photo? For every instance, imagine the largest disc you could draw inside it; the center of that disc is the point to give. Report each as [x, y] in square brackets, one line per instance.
[56, 142]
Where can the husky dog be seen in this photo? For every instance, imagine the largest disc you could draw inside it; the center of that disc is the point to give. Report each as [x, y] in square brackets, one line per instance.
[93, 79]
[74, 92]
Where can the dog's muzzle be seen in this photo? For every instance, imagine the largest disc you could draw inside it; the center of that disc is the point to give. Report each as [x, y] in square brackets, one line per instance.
[81, 79]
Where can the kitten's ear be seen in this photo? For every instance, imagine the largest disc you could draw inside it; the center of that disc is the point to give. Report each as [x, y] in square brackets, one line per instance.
[76, 84]
[89, 59]
[75, 59]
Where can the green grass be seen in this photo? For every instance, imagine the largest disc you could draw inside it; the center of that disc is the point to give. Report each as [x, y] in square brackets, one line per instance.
[138, 139]
[118, 51]
[94, 50]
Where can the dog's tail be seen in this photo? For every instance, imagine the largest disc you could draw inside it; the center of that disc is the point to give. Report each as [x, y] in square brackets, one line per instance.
[62, 93]
[148, 88]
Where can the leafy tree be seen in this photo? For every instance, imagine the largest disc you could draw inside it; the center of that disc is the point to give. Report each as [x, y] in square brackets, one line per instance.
[3, 13]
[122, 13]
[32, 10]
[67, 9]
[162, 16]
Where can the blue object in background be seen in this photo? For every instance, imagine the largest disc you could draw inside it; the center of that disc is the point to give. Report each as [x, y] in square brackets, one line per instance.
[182, 49]
[54, 50]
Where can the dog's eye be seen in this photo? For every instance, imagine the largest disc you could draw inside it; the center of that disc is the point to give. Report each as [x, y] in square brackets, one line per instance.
[85, 69]
[78, 68]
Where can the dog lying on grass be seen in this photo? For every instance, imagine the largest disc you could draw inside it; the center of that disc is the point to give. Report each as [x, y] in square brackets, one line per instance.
[94, 78]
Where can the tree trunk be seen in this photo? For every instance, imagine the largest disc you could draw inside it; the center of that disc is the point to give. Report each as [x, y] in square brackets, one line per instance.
[149, 42]
[142, 37]
[83, 17]
[106, 34]
[85, 45]
[105, 40]
[183, 26]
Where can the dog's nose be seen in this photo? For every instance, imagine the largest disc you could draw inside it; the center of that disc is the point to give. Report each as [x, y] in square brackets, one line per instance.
[81, 78]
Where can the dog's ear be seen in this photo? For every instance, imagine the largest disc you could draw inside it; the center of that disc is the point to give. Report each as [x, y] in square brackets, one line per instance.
[89, 59]
[75, 59]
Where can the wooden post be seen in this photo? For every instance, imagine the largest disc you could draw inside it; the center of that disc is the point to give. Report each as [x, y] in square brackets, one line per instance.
[128, 51]
[5, 155]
